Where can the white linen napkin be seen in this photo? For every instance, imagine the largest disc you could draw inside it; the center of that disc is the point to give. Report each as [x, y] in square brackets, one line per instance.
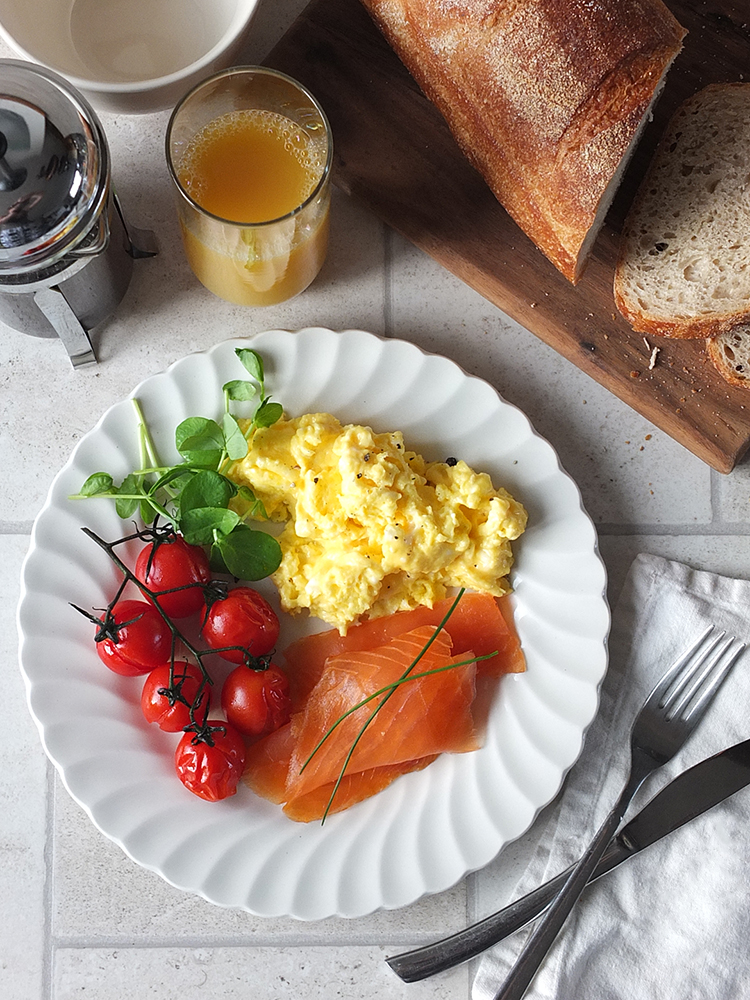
[673, 922]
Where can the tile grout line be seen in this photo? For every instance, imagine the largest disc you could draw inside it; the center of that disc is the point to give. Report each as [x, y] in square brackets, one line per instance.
[16, 527]
[714, 528]
[74, 943]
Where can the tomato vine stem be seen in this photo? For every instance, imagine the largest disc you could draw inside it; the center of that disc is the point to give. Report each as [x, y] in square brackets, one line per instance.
[200, 726]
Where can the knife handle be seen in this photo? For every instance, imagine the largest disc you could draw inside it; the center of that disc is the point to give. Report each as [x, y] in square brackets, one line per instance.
[412, 966]
[688, 795]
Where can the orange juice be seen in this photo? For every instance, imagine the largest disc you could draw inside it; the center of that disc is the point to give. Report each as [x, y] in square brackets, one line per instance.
[253, 171]
[250, 166]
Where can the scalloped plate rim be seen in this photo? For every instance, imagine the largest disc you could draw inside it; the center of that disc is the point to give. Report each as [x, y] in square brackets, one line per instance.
[27, 594]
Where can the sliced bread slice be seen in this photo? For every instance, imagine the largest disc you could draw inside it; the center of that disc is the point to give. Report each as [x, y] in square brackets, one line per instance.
[684, 265]
[730, 353]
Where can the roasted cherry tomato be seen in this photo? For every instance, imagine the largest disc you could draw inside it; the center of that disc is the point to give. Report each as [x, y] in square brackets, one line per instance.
[133, 638]
[169, 707]
[256, 701]
[170, 563]
[212, 772]
[243, 618]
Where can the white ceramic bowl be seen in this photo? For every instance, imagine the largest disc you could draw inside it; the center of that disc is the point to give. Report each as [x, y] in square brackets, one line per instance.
[128, 56]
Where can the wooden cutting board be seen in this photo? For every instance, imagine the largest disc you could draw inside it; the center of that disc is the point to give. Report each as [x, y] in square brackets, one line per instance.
[394, 152]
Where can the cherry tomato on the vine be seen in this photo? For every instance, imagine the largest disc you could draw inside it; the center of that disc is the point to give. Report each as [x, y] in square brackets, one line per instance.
[133, 638]
[243, 618]
[211, 772]
[169, 707]
[170, 563]
[256, 701]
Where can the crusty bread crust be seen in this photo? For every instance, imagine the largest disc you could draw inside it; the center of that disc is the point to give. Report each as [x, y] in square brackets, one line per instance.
[730, 353]
[684, 263]
[545, 97]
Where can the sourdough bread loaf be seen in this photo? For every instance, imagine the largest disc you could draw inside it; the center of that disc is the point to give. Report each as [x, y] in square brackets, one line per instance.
[545, 97]
[730, 353]
[684, 266]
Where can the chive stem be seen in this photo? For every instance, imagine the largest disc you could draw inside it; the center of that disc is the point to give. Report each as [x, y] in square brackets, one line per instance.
[390, 691]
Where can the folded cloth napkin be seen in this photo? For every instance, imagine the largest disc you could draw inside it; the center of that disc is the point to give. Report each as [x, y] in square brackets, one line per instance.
[671, 923]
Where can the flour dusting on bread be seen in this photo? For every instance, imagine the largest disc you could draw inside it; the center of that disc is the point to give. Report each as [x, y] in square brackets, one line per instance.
[545, 97]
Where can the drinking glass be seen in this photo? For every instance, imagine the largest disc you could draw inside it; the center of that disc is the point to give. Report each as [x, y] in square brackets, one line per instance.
[249, 151]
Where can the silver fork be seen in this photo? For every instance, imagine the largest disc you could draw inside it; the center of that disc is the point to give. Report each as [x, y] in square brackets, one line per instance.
[670, 714]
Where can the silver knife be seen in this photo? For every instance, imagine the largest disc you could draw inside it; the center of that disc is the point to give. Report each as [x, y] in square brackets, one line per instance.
[691, 793]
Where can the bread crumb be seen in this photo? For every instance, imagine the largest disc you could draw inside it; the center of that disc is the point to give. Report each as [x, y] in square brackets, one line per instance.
[635, 374]
[654, 354]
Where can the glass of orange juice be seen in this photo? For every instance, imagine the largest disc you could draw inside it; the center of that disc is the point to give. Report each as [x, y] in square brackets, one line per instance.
[250, 152]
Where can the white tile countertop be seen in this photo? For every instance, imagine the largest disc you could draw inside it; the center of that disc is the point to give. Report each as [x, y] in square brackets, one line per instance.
[78, 919]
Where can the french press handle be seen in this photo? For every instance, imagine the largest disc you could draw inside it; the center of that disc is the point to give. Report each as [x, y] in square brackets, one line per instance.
[67, 326]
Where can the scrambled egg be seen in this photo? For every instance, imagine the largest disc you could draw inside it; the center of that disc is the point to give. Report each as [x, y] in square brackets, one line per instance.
[373, 528]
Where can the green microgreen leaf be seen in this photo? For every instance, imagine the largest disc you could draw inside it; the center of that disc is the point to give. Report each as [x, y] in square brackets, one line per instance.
[235, 440]
[127, 505]
[200, 525]
[98, 484]
[240, 390]
[247, 553]
[267, 413]
[200, 441]
[147, 511]
[255, 506]
[178, 476]
[252, 362]
[204, 459]
[206, 489]
[216, 561]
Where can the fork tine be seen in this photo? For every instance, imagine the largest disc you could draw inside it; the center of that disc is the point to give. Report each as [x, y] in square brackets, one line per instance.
[710, 680]
[665, 684]
[691, 675]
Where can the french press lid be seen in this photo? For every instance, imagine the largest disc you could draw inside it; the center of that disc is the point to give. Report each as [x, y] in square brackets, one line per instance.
[54, 172]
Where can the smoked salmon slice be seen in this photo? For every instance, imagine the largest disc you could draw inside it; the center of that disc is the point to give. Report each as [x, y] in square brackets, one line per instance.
[423, 717]
[267, 764]
[479, 622]
[268, 767]
[352, 789]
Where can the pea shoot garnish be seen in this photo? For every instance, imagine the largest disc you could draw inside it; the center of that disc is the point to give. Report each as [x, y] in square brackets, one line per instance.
[195, 496]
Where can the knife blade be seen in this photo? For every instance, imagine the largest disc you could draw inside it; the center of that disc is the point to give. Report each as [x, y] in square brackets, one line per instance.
[691, 793]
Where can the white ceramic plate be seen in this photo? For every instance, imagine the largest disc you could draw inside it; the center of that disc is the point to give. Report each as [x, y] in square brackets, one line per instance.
[428, 829]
